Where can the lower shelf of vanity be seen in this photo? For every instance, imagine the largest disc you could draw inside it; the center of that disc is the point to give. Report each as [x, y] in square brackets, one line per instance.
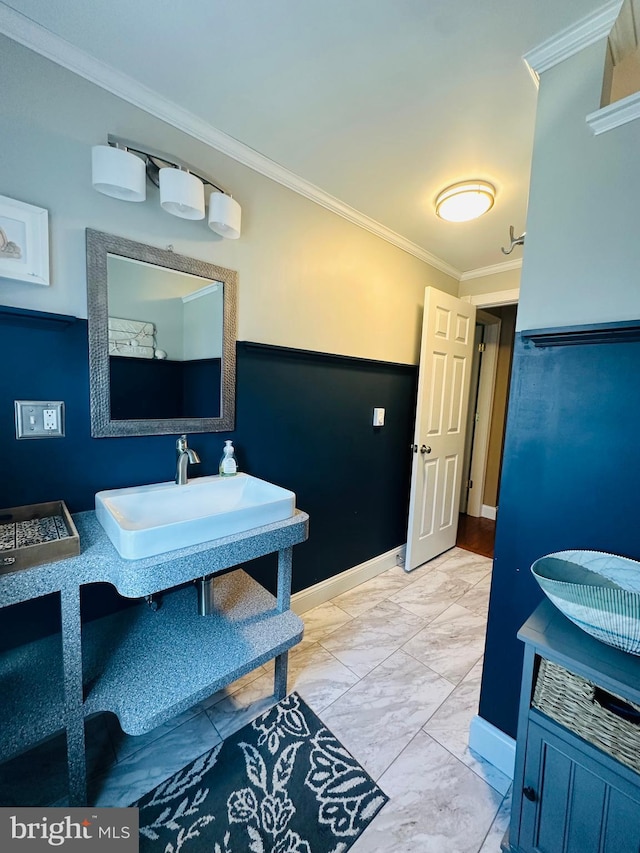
[147, 666]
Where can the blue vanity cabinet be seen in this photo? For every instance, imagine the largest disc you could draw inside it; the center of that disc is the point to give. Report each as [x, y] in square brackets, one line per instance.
[569, 795]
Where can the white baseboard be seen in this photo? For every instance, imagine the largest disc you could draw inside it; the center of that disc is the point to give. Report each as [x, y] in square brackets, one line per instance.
[488, 512]
[493, 745]
[317, 594]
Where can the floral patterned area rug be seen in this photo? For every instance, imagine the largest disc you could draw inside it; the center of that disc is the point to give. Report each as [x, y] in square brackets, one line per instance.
[282, 784]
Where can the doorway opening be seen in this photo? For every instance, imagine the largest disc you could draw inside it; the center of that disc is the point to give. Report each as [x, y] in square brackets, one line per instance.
[488, 403]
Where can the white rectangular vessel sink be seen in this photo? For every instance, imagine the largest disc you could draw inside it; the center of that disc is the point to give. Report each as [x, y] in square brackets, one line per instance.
[142, 521]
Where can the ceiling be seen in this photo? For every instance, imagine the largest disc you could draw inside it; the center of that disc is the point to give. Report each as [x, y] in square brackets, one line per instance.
[379, 103]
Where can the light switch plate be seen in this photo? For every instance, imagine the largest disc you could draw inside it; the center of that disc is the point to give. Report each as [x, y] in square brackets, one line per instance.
[39, 419]
[378, 417]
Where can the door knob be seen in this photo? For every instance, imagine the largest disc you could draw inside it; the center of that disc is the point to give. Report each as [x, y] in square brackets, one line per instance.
[425, 449]
[530, 794]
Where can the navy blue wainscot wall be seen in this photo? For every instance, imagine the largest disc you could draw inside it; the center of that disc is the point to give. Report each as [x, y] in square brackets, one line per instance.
[569, 478]
[303, 420]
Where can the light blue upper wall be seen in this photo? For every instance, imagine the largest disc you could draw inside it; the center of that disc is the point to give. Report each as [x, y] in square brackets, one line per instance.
[308, 278]
[582, 255]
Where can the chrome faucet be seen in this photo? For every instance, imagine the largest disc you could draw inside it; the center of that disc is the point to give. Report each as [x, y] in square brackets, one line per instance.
[185, 456]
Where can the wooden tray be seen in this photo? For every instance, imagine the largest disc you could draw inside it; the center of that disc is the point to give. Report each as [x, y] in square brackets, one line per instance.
[36, 534]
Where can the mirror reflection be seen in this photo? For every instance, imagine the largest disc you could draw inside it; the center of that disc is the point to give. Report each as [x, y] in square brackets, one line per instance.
[162, 340]
[165, 342]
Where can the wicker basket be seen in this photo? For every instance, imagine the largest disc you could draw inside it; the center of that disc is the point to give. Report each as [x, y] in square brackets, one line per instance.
[579, 706]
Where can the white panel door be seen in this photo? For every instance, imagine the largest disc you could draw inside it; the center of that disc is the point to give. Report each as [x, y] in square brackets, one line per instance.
[443, 395]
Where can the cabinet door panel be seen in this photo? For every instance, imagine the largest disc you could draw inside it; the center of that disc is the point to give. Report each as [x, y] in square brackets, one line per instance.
[554, 780]
[574, 803]
[623, 825]
[586, 807]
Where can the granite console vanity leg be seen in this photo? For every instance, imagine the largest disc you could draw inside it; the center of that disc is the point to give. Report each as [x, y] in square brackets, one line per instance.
[73, 694]
[285, 564]
[280, 677]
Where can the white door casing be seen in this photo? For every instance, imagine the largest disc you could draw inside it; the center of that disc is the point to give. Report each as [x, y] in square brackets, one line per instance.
[469, 437]
[443, 396]
[484, 407]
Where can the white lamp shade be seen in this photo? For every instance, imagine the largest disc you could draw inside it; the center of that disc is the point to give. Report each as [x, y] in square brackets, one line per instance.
[464, 201]
[118, 173]
[181, 193]
[225, 215]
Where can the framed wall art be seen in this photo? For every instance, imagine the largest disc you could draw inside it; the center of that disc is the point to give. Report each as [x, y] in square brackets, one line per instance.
[24, 241]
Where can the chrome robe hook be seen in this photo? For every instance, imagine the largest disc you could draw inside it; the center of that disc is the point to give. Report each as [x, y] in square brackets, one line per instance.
[515, 241]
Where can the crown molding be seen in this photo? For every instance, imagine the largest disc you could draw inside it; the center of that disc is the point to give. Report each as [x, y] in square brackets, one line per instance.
[573, 39]
[202, 291]
[614, 115]
[533, 74]
[37, 38]
[495, 269]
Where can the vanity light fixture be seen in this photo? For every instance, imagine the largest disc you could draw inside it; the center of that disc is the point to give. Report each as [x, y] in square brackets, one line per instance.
[224, 215]
[464, 201]
[181, 193]
[120, 169]
[118, 173]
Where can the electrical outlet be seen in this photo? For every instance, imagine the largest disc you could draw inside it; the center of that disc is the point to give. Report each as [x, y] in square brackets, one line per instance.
[50, 419]
[39, 419]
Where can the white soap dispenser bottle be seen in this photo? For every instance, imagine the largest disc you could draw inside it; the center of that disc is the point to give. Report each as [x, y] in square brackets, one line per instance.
[228, 463]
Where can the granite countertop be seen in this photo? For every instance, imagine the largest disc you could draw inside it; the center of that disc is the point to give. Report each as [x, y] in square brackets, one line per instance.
[99, 562]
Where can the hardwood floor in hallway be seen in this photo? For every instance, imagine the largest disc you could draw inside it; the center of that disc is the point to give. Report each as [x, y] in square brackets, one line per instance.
[476, 534]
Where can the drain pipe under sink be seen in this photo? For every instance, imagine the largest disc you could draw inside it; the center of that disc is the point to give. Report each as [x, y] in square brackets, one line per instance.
[205, 596]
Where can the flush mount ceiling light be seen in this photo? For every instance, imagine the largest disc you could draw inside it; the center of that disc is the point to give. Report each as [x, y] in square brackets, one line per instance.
[120, 169]
[464, 201]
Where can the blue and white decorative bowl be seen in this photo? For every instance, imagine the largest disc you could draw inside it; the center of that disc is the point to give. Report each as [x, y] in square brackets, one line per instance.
[598, 592]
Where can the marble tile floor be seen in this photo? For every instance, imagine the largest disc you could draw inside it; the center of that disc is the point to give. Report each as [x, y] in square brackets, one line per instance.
[392, 667]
